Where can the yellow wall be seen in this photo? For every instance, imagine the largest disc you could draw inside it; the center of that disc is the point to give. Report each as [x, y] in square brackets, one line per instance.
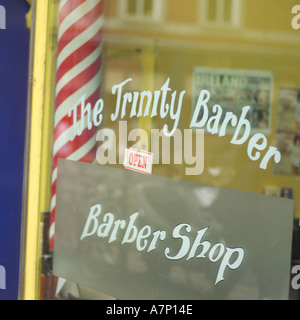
[273, 15]
[180, 12]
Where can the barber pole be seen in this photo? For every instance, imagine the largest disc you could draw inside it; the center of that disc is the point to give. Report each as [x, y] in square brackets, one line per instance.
[78, 73]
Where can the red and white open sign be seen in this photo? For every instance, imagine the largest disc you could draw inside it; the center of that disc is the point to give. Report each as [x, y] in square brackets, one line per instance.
[138, 160]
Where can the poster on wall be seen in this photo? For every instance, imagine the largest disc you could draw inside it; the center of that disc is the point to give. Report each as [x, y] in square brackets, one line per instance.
[233, 89]
[288, 131]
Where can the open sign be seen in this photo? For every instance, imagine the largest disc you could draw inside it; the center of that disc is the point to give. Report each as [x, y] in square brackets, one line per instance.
[138, 160]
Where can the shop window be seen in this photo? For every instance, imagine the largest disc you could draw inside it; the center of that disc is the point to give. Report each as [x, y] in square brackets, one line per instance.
[141, 9]
[221, 13]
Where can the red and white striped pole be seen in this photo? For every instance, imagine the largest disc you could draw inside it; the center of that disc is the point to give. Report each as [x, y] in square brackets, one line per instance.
[78, 74]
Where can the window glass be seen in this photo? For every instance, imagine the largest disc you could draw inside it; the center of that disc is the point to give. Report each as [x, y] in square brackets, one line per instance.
[122, 83]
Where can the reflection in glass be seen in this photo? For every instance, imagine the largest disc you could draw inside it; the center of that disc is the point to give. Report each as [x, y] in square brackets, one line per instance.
[148, 7]
[212, 10]
[227, 10]
[132, 4]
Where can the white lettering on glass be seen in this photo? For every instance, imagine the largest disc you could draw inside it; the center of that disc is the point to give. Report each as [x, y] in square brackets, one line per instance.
[163, 103]
[123, 99]
[241, 133]
[107, 226]
[88, 117]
